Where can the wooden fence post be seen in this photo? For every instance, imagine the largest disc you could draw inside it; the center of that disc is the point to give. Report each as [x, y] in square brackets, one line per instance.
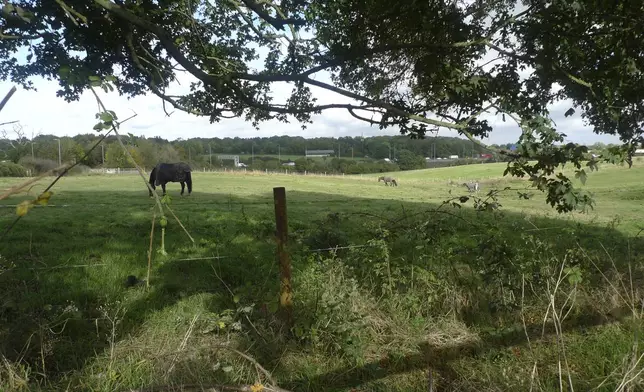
[286, 290]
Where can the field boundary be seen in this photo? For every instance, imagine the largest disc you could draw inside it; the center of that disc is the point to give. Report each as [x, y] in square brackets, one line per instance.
[286, 172]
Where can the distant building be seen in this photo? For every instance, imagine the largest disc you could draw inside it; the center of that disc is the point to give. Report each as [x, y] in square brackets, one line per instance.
[486, 156]
[288, 163]
[453, 157]
[319, 153]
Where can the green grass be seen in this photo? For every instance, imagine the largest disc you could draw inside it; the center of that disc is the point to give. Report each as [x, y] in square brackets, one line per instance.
[450, 287]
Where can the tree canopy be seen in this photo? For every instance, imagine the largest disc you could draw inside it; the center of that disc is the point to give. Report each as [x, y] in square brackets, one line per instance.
[416, 65]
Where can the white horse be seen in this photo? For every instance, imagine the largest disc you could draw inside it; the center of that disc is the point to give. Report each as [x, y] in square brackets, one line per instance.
[472, 186]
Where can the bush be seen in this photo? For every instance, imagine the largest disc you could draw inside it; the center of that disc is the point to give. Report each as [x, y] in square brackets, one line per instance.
[10, 169]
[38, 165]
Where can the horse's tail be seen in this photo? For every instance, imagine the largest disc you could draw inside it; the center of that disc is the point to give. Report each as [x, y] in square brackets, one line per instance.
[151, 180]
[189, 181]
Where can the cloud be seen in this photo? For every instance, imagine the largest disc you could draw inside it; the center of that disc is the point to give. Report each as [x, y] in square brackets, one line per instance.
[43, 112]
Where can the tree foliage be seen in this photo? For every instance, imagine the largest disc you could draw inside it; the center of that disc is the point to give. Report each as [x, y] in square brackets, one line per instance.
[150, 151]
[413, 65]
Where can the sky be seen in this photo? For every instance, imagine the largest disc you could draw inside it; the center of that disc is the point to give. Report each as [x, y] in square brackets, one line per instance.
[42, 112]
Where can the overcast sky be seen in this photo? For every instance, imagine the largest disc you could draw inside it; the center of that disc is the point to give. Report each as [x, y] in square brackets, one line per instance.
[43, 112]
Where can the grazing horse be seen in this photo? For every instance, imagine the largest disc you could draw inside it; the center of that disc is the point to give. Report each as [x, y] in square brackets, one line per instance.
[171, 172]
[472, 187]
[387, 180]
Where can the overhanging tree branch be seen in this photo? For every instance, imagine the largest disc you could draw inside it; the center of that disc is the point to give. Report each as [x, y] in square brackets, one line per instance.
[278, 23]
[7, 97]
[172, 49]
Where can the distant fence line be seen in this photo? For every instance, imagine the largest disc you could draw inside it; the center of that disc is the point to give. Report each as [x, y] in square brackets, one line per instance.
[287, 172]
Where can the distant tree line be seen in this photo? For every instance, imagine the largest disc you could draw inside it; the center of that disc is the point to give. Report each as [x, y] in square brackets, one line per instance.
[351, 155]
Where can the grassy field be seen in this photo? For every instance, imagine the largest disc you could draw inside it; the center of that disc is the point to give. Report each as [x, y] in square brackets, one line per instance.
[413, 285]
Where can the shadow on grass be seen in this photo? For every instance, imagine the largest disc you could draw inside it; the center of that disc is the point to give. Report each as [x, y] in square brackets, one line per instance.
[80, 255]
[438, 359]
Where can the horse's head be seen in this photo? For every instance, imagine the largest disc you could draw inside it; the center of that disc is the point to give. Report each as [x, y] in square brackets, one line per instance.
[381, 179]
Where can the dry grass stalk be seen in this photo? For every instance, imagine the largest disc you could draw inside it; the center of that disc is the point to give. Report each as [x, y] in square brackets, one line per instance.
[183, 345]
[147, 280]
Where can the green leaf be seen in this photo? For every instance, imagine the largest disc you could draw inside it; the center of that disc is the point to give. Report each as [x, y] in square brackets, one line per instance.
[273, 306]
[107, 117]
[43, 199]
[569, 199]
[95, 81]
[581, 175]
[64, 72]
[23, 208]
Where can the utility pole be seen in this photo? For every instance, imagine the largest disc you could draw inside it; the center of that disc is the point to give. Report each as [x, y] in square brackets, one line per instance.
[279, 154]
[103, 153]
[60, 161]
[351, 152]
[32, 150]
[252, 153]
[210, 154]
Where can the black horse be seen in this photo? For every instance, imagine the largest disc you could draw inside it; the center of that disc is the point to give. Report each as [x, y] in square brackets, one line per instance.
[171, 172]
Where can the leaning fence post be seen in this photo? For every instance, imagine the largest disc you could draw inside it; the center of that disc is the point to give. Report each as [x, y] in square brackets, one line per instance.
[286, 290]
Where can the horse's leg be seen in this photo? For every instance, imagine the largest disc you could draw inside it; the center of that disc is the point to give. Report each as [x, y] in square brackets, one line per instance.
[163, 187]
[189, 182]
[183, 186]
